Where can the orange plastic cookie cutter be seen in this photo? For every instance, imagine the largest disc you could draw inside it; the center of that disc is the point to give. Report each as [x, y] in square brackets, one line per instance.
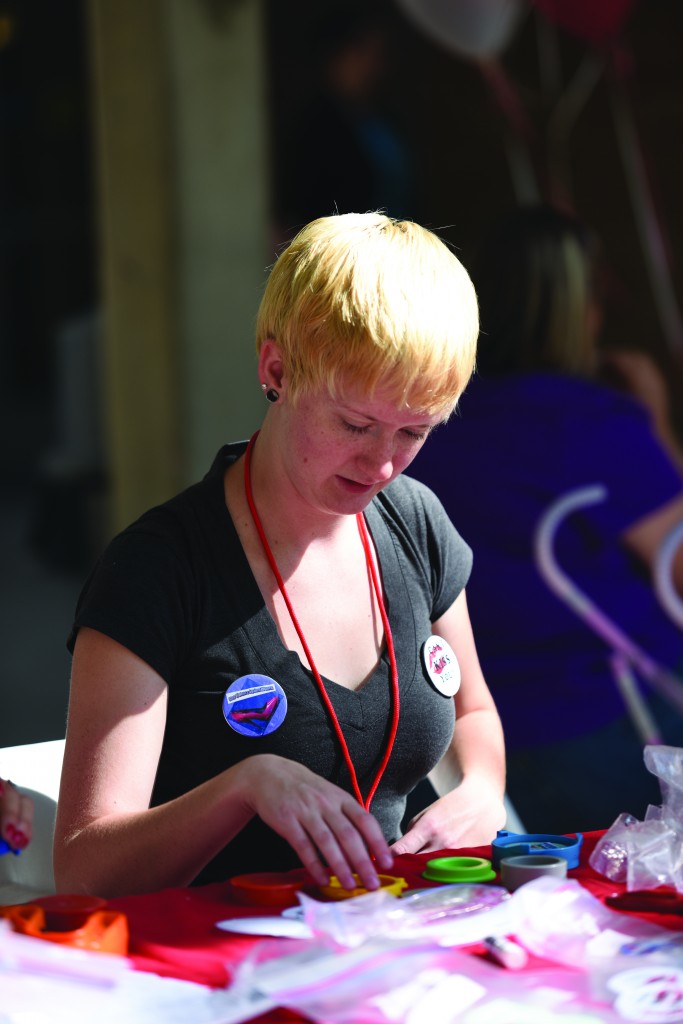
[80, 921]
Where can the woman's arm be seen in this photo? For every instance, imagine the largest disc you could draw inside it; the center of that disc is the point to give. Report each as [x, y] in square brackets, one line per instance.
[109, 841]
[641, 377]
[470, 778]
[646, 537]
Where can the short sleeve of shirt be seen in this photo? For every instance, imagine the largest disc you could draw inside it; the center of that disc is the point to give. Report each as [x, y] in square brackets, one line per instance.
[443, 557]
[141, 592]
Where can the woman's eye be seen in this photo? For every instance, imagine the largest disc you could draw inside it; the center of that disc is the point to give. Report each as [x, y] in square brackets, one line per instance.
[412, 435]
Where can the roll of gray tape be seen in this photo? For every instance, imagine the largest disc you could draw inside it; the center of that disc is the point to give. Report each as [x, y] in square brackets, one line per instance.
[515, 871]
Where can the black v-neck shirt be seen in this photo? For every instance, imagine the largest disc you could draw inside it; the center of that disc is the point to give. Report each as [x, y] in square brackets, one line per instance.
[176, 589]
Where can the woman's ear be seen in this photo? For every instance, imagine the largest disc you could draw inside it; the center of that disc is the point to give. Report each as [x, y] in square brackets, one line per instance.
[270, 365]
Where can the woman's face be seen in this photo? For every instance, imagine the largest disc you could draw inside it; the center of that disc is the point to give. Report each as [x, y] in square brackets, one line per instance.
[339, 452]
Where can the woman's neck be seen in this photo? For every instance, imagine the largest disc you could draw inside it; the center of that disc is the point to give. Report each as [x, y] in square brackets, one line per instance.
[291, 524]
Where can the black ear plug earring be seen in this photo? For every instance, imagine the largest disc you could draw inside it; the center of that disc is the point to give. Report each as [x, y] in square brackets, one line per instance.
[271, 394]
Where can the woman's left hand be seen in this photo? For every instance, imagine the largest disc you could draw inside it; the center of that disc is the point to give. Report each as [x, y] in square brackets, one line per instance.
[16, 816]
[469, 815]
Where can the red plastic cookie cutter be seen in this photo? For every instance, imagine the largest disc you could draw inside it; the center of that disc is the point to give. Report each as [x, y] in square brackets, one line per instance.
[270, 888]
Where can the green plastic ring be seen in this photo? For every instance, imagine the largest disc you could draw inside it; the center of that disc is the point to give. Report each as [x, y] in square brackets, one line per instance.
[459, 869]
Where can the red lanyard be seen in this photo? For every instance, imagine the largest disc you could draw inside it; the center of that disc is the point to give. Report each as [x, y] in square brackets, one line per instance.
[362, 529]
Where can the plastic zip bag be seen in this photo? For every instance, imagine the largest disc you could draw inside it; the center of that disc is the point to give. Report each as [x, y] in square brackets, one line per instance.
[648, 854]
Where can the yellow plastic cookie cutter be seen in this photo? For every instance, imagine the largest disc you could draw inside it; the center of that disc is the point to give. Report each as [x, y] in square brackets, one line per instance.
[387, 883]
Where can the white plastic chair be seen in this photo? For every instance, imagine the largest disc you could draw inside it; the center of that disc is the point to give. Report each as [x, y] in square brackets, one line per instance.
[664, 584]
[513, 822]
[627, 656]
[35, 768]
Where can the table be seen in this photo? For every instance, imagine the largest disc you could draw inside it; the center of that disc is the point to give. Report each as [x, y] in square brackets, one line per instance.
[173, 932]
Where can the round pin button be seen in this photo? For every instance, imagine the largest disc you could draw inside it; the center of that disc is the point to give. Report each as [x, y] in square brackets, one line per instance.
[441, 665]
[254, 705]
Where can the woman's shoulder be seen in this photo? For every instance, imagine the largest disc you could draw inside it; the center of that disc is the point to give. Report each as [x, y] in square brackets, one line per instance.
[412, 506]
[427, 536]
[409, 497]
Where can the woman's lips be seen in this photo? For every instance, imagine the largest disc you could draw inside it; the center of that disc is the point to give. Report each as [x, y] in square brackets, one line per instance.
[354, 486]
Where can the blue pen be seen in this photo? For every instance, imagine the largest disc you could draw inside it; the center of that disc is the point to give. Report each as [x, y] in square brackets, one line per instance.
[6, 848]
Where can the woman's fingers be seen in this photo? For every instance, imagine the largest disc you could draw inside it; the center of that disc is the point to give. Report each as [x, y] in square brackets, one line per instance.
[327, 827]
[322, 854]
[25, 818]
[368, 839]
[453, 822]
[347, 839]
[16, 815]
[420, 837]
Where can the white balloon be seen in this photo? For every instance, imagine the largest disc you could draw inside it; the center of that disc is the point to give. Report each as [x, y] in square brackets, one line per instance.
[471, 28]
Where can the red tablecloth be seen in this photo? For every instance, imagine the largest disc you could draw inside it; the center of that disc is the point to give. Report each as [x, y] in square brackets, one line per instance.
[173, 932]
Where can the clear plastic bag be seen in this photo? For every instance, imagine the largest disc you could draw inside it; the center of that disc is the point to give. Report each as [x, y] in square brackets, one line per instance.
[409, 982]
[449, 915]
[559, 920]
[648, 854]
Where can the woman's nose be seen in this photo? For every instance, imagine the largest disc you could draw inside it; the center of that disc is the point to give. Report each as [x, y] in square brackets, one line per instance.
[379, 460]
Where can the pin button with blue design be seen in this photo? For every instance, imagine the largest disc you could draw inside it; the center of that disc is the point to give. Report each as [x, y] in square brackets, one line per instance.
[254, 705]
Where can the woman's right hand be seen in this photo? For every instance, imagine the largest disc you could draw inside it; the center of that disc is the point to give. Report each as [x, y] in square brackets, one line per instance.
[325, 826]
[16, 815]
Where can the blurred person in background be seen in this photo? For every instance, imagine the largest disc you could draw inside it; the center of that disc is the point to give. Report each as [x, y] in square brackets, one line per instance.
[344, 151]
[535, 424]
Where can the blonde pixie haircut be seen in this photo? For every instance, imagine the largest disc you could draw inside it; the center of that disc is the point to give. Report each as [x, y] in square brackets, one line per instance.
[364, 299]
